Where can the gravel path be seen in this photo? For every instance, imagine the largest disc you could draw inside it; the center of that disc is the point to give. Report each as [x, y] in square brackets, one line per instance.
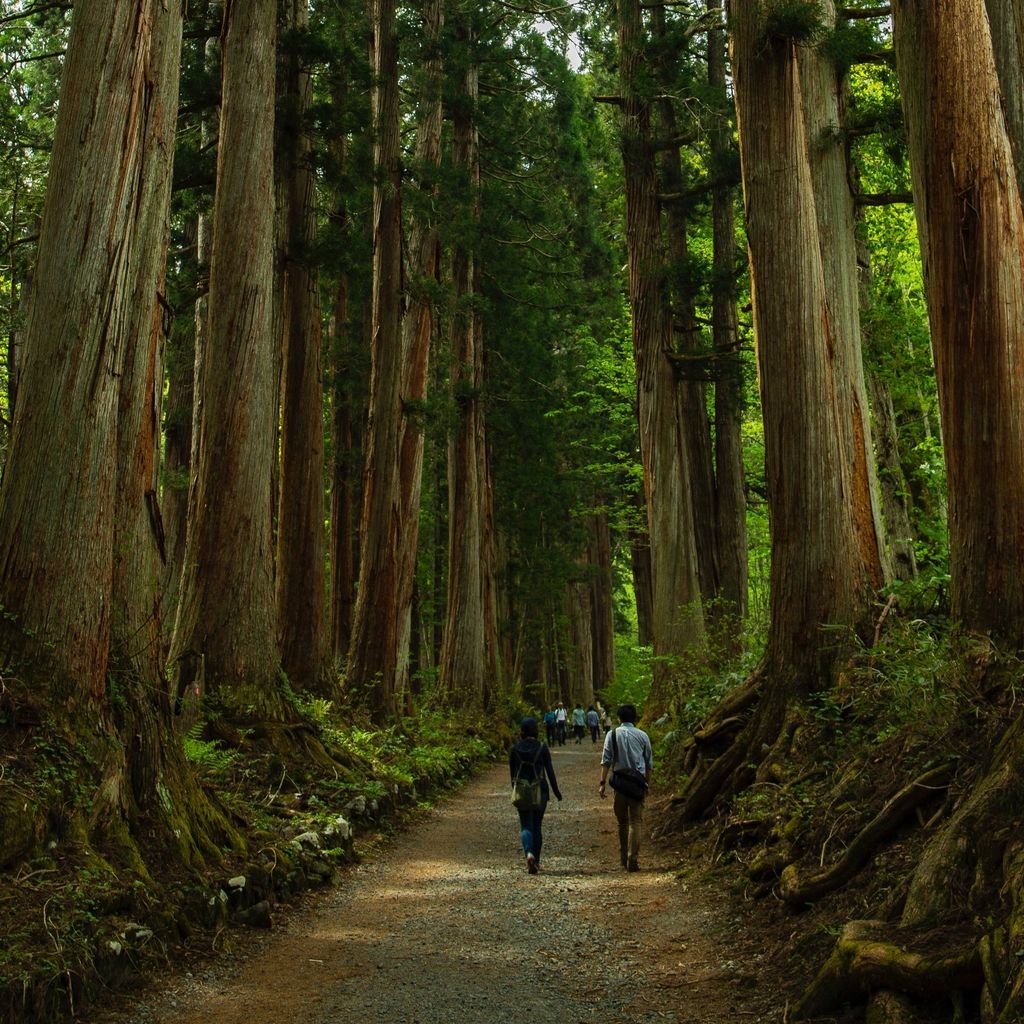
[447, 925]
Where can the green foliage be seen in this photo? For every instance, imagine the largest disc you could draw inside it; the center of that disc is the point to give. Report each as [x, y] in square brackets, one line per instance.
[208, 756]
[713, 668]
[847, 42]
[799, 21]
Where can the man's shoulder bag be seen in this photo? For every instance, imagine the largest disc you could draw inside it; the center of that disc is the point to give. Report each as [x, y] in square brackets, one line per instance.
[627, 781]
[527, 794]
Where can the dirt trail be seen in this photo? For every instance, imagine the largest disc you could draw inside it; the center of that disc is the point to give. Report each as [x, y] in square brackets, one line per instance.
[447, 925]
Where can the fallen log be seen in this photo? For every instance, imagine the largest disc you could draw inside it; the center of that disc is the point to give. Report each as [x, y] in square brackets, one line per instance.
[798, 888]
[864, 962]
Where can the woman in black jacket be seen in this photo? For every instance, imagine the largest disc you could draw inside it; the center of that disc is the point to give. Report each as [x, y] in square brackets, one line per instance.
[531, 759]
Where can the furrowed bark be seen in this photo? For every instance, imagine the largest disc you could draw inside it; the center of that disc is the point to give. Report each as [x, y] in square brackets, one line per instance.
[300, 577]
[677, 616]
[225, 633]
[373, 673]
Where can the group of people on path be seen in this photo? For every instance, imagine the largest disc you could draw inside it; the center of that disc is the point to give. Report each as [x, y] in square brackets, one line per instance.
[626, 762]
[556, 723]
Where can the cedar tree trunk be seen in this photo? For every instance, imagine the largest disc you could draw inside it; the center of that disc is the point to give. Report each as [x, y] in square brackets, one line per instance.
[225, 636]
[300, 529]
[677, 615]
[373, 667]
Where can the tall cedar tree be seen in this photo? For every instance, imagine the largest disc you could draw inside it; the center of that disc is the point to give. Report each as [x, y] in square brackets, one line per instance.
[469, 650]
[819, 577]
[731, 504]
[967, 202]
[80, 518]
[373, 671]
[677, 616]
[693, 403]
[226, 627]
[418, 326]
[833, 203]
[971, 227]
[301, 571]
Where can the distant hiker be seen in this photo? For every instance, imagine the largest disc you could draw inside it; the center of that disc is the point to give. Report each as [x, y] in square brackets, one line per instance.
[628, 756]
[550, 726]
[529, 764]
[594, 721]
[561, 717]
[579, 722]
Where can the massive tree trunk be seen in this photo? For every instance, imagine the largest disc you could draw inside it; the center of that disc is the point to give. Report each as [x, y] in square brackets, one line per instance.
[819, 576]
[971, 227]
[226, 628]
[731, 506]
[300, 529]
[834, 207]
[80, 518]
[467, 661]
[373, 667]
[677, 615]
[99, 251]
[417, 329]
[968, 207]
[343, 434]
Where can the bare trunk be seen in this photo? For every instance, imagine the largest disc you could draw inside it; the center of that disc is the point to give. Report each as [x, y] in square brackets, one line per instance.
[731, 506]
[818, 574]
[833, 203]
[300, 533]
[602, 607]
[643, 590]
[892, 482]
[94, 299]
[373, 670]
[464, 675]
[180, 369]
[579, 667]
[693, 409]
[225, 633]
[342, 510]
[81, 534]
[677, 615]
[418, 329]
[971, 227]
[819, 578]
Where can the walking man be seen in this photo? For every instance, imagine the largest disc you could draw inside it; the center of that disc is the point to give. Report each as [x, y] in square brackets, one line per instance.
[627, 755]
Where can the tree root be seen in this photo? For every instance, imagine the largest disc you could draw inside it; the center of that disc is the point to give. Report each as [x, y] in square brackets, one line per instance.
[893, 1008]
[862, 963]
[799, 889]
[710, 735]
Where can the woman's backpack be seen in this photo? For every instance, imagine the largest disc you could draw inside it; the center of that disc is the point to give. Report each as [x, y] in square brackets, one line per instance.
[527, 794]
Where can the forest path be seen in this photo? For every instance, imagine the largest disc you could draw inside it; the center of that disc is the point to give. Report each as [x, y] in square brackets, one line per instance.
[445, 924]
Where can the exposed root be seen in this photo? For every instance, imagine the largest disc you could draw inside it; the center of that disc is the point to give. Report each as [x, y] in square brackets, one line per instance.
[863, 962]
[894, 1008]
[798, 888]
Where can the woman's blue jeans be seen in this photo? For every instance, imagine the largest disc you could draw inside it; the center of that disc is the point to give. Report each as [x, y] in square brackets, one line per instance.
[530, 827]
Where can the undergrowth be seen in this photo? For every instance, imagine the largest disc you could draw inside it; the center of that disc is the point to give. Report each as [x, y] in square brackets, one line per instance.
[78, 917]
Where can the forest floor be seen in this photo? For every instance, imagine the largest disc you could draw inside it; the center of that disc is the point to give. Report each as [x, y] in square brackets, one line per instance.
[444, 923]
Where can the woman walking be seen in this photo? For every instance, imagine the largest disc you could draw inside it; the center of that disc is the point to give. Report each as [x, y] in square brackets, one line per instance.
[530, 760]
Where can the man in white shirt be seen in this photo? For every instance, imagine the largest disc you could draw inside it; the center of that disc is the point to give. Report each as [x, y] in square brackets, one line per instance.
[627, 750]
[561, 723]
